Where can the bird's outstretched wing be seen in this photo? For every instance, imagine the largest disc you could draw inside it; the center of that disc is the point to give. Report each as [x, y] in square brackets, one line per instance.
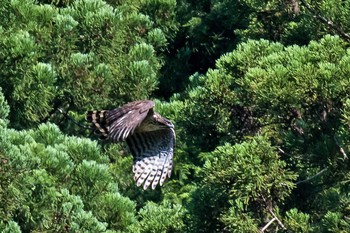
[153, 156]
[119, 123]
[152, 144]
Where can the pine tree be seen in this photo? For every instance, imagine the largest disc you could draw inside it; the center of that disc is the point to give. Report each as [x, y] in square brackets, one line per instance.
[81, 55]
[297, 97]
[261, 114]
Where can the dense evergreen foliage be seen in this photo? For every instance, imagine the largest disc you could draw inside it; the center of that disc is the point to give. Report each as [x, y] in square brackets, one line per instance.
[259, 92]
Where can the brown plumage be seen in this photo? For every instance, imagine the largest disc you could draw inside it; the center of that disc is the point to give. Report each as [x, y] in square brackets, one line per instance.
[150, 137]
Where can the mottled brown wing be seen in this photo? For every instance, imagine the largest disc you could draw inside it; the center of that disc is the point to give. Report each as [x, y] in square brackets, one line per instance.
[124, 120]
[119, 123]
[153, 156]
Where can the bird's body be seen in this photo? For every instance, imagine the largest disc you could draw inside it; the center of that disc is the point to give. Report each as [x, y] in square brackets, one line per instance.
[150, 137]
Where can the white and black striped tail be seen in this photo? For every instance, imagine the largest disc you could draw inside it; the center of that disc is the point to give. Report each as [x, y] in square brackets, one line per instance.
[98, 122]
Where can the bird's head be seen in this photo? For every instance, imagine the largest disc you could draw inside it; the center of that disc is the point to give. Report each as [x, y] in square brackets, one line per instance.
[162, 122]
[154, 122]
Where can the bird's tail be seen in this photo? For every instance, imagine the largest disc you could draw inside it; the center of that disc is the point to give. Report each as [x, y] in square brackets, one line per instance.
[98, 122]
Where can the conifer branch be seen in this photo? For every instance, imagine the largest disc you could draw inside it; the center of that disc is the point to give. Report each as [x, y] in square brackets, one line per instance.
[267, 225]
[326, 21]
[312, 177]
[295, 6]
[341, 149]
[273, 219]
[65, 114]
[279, 222]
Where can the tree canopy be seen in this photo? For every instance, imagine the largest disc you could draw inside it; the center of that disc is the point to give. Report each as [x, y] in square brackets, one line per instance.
[258, 91]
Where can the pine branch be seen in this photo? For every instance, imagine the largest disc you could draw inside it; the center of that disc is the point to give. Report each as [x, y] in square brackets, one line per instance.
[312, 177]
[341, 149]
[273, 219]
[279, 222]
[267, 225]
[295, 6]
[65, 114]
[326, 21]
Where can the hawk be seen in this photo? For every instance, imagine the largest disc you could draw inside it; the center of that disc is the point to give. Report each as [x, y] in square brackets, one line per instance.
[150, 138]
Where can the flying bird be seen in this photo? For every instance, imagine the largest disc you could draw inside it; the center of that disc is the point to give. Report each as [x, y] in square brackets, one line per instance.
[150, 138]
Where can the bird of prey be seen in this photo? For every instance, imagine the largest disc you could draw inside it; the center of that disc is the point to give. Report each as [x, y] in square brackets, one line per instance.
[150, 138]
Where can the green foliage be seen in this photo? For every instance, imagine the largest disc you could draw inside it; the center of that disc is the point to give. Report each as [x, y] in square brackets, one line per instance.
[161, 218]
[236, 180]
[87, 53]
[206, 31]
[210, 29]
[334, 222]
[258, 92]
[297, 97]
[10, 227]
[35, 92]
[45, 187]
[261, 84]
[252, 170]
[117, 210]
[297, 222]
[4, 109]
[238, 221]
[162, 13]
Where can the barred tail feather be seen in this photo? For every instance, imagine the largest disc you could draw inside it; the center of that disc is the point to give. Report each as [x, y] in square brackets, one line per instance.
[98, 122]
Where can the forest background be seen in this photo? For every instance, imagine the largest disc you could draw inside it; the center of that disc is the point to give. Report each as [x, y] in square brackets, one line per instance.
[259, 92]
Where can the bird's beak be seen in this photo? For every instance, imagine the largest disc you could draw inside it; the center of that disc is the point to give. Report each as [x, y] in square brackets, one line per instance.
[169, 124]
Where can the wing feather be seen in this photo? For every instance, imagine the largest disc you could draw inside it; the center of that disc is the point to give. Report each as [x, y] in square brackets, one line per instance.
[119, 123]
[124, 120]
[153, 153]
[152, 150]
